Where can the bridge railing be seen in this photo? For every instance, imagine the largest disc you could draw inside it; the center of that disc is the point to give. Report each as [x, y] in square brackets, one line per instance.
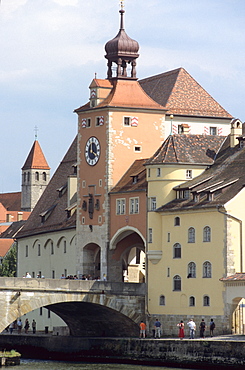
[59, 285]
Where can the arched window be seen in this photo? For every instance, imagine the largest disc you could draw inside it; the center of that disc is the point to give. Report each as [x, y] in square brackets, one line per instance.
[191, 270]
[28, 176]
[192, 301]
[177, 250]
[191, 235]
[177, 283]
[24, 176]
[162, 300]
[207, 234]
[37, 176]
[177, 221]
[44, 176]
[206, 300]
[207, 269]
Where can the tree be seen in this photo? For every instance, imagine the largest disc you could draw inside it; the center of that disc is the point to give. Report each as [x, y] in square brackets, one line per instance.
[9, 263]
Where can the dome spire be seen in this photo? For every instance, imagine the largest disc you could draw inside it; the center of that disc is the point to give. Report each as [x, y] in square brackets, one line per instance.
[121, 50]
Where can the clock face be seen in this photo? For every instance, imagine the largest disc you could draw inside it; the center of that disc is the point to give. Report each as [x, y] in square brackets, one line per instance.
[92, 151]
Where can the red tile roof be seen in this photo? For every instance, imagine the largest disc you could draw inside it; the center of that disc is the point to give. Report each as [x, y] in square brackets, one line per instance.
[11, 201]
[5, 245]
[236, 277]
[36, 158]
[181, 94]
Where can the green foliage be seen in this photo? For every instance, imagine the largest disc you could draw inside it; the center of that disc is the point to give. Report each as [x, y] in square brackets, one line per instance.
[9, 264]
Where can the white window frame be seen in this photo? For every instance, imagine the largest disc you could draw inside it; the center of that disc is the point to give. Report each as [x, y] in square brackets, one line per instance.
[152, 203]
[150, 235]
[188, 174]
[213, 130]
[120, 206]
[134, 205]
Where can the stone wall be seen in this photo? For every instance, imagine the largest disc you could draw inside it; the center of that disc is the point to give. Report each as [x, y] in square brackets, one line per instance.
[202, 354]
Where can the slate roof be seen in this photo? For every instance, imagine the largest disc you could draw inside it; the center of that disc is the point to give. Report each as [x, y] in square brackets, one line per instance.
[193, 149]
[51, 199]
[127, 183]
[216, 185]
[36, 158]
[11, 201]
[12, 230]
[181, 94]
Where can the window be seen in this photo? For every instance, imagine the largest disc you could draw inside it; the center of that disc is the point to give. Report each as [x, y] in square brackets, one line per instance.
[168, 239]
[24, 176]
[177, 250]
[149, 172]
[152, 203]
[97, 121]
[49, 313]
[41, 311]
[177, 283]
[44, 176]
[180, 129]
[134, 205]
[191, 270]
[126, 121]
[36, 176]
[52, 248]
[212, 130]
[162, 300]
[39, 250]
[64, 246]
[28, 176]
[207, 270]
[53, 274]
[192, 302]
[191, 235]
[150, 235]
[120, 204]
[83, 220]
[177, 221]
[158, 172]
[206, 300]
[88, 122]
[100, 183]
[137, 149]
[207, 234]
[188, 174]
[26, 250]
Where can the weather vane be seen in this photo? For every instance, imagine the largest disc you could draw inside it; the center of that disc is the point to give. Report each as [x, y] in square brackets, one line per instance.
[36, 130]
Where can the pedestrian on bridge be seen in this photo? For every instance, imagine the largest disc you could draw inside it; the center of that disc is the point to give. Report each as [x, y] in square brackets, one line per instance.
[19, 326]
[34, 325]
[142, 329]
[157, 327]
[27, 325]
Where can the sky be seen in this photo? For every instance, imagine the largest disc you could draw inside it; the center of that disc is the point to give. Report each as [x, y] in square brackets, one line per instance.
[51, 50]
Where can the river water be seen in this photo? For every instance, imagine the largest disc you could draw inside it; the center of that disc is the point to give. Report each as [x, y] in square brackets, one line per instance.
[60, 365]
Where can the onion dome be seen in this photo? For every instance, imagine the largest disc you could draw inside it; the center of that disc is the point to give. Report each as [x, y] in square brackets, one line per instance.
[122, 50]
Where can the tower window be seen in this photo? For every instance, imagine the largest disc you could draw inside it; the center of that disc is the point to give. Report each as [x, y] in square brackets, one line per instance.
[213, 130]
[126, 121]
[44, 176]
[36, 176]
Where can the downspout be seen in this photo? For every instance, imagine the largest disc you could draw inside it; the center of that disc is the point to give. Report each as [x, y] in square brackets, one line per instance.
[240, 223]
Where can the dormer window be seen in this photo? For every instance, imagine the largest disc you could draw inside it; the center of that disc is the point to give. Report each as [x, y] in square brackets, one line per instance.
[188, 174]
[45, 215]
[62, 190]
[135, 179]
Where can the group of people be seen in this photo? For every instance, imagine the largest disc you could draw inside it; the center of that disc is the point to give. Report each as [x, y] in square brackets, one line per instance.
[156, 330]
[192, 328]
[191, 325]
[19, 325]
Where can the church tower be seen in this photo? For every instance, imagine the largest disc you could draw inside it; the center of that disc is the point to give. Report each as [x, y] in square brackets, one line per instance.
[118, 125]
[35, 177]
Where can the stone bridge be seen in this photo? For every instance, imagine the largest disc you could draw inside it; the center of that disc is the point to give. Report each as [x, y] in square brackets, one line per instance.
[89, 308]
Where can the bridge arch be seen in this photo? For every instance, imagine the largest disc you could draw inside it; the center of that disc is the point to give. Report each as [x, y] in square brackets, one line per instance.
[89, 308]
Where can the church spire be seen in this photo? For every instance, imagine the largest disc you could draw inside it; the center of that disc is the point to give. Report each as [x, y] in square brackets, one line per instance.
[122, 50]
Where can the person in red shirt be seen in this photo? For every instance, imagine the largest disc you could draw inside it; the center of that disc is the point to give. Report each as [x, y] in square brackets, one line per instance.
[142, 329]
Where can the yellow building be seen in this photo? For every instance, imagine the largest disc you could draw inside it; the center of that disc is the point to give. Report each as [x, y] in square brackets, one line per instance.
[195, 228]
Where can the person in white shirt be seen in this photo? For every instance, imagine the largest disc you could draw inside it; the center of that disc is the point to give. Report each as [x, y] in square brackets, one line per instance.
[192, 327]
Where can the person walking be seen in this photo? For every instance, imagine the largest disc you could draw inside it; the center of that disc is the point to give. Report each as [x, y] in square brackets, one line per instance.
[34, 325]
[211, 327]
[142, 329]
[181, 326]
[11, 328]
[192, 327]
[27, 325]
[19, 326]
[202, 328]
[157, 327]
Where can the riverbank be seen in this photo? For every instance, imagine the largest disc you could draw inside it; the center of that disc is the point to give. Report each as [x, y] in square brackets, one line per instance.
[211, 353]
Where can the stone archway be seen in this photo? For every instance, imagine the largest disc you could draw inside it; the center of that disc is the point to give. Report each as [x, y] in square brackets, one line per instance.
[91, 260]
[127, 256]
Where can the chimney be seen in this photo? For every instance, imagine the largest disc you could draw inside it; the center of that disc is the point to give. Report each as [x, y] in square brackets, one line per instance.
[236, 131]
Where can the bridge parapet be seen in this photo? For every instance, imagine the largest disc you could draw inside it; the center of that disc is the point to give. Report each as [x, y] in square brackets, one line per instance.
[66, 285]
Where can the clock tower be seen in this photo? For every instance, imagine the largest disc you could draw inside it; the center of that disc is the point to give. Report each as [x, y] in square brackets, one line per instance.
[118, 125]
